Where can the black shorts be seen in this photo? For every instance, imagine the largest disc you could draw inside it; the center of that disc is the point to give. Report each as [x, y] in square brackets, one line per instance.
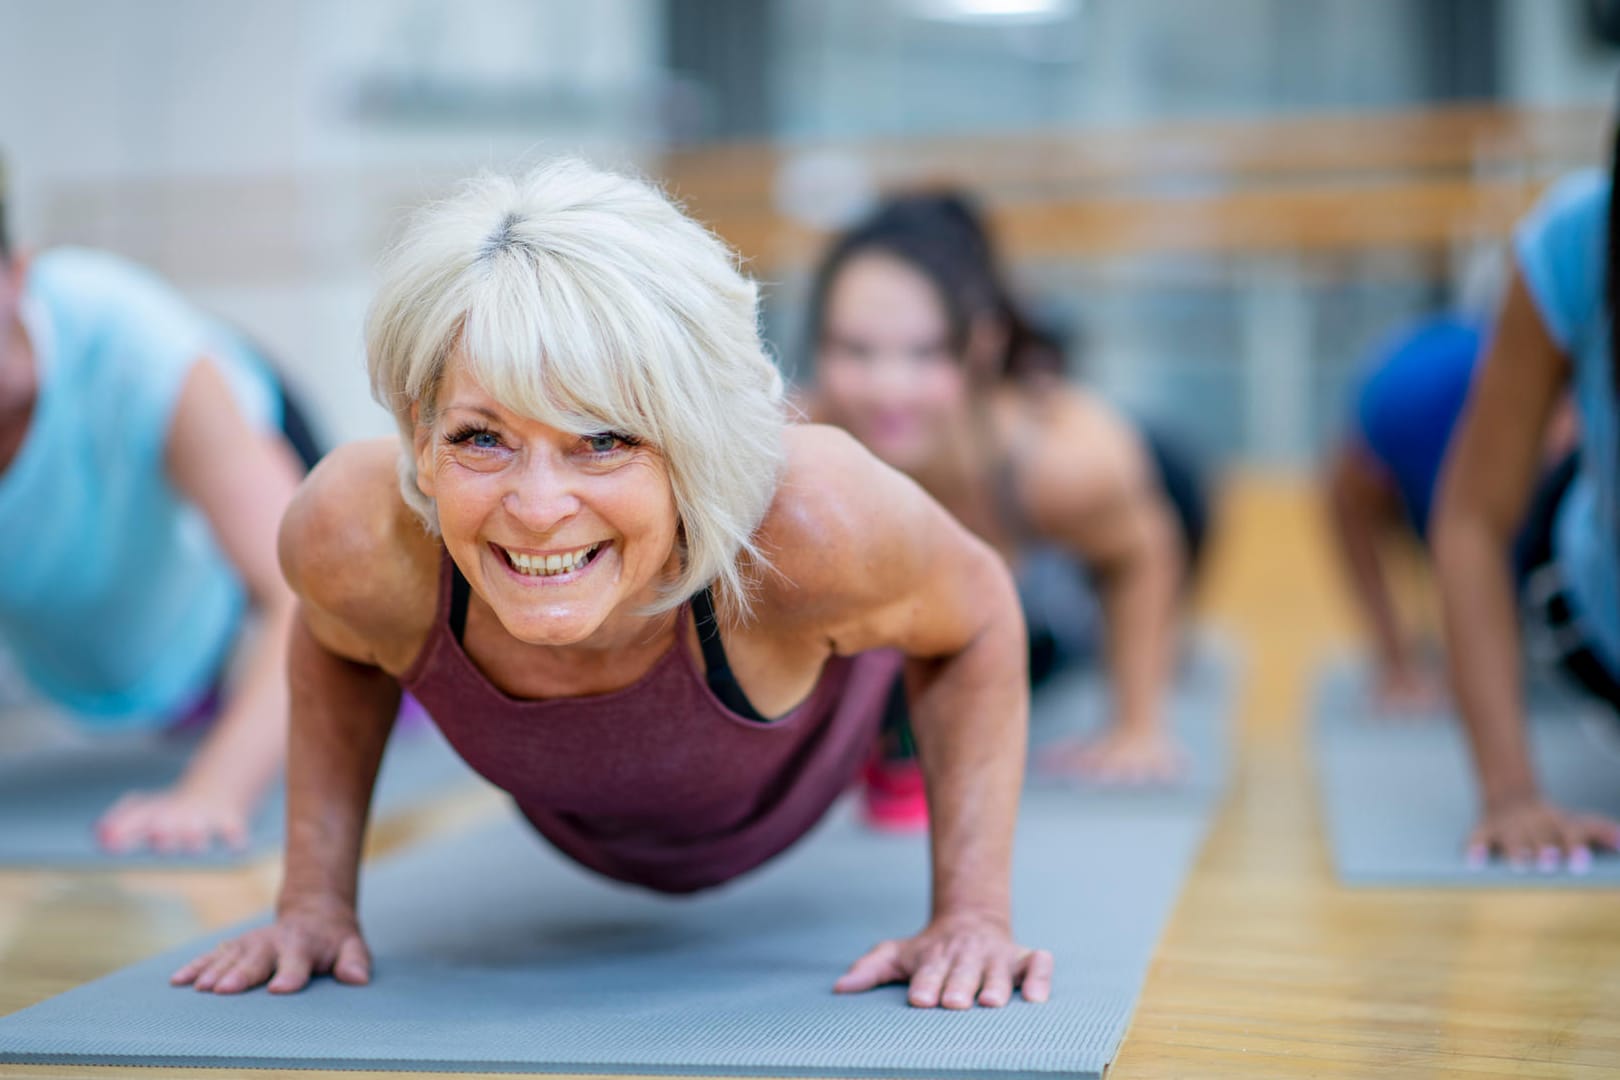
[1187, 488]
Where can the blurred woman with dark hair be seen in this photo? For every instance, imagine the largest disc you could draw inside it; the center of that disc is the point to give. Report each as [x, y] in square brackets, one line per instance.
[923, 354]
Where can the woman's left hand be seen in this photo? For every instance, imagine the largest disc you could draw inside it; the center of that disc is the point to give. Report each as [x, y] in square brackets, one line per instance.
[955, 961]
[177, 819]
[1122, 756]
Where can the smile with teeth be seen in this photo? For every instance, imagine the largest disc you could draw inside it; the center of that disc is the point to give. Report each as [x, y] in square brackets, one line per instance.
[550, 565]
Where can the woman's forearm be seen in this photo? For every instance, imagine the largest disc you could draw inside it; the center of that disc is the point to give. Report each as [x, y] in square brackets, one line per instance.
[1139, 597]
[1355, 535]
[248, 743]
[970, 716]
[1482, 638]
[342, 713]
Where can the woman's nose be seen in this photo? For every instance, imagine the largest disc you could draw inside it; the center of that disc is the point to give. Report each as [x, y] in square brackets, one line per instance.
[543, 494]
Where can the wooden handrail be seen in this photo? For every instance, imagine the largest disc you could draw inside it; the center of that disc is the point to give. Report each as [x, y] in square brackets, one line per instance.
[1463, 138]
[1413, 180]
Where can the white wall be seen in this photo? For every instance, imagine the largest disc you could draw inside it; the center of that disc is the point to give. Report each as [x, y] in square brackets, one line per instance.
[1548, 58]
[223, 143]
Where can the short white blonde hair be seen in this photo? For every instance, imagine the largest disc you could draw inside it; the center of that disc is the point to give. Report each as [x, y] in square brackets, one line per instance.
[586, 300]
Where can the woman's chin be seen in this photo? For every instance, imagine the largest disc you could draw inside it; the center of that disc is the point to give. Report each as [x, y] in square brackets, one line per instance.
[554, 628]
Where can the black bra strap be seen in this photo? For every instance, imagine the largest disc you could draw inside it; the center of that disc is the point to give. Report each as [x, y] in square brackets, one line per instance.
[718, 675]
[459, 592]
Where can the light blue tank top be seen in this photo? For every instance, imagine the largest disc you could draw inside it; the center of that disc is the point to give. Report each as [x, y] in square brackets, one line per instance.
[1561, 248]
[115, 600]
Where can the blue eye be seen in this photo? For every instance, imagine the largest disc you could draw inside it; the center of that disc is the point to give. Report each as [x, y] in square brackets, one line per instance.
[477, 437]
[603, 443]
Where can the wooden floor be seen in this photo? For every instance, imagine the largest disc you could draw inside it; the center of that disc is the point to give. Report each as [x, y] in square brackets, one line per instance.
[1268, 968]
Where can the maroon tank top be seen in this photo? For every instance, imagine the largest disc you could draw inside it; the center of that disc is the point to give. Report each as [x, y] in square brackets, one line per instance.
[657, 784]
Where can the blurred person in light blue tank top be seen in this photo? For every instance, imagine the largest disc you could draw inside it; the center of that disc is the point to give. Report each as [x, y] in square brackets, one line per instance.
[143, 472]
[1553, 338]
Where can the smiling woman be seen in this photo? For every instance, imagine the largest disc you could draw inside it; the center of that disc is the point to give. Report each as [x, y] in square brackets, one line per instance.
[628, 592]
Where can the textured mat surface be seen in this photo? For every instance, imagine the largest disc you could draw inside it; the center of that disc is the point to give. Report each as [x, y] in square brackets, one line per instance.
[51, 799]
[493, 954]
[1399, 799]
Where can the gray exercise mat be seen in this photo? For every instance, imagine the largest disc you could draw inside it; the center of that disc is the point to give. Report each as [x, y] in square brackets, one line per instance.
[495, 955]
[1345, 686]
[51, 799]
[1200, 708]
[1399, 798]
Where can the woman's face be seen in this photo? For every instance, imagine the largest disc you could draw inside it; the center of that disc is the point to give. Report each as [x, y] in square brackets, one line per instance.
[885, 365]
[564, 536]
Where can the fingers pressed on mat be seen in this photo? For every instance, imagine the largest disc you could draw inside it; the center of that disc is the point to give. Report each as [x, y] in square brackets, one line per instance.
[1037, 976]
[929, 980]
[217, 967]
[353, 962]
[998, 985]
[293, 969]
[880, 965]
[963, 983]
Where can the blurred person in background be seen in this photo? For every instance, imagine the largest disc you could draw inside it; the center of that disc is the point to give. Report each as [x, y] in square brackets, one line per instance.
[1500, 536]
[147, 453]
[1382, 478]
[923, 354]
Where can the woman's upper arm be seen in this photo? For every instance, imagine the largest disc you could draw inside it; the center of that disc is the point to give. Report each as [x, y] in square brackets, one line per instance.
[1496, 450]
[870, 560]
[240, 478]
[1091, 486]
[364, 578]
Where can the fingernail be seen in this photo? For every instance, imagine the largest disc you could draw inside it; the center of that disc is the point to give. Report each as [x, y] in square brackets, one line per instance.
[1547, 860]
[1476, 857]
[1580, 861]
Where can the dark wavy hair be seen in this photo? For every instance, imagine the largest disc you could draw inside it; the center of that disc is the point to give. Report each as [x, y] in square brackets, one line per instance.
[943, 236]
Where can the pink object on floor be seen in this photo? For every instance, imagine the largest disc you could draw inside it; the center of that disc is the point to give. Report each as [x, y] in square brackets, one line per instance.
[412, 717]
[893, 798]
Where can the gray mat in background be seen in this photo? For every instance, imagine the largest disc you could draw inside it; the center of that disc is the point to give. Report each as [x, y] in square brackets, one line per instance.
[1345, 686]
[1200, 707]
[495, 955]
[1399, 798]
[51, 799]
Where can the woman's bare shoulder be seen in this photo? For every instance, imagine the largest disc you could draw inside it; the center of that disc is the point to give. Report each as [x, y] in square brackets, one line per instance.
[824, 475]
[839, 519]
[1080, 454]
[351, 547]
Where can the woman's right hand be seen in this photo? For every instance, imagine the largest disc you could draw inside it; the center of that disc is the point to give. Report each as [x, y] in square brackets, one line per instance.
[305, 940]
[1532, 833]
[1407, 689]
